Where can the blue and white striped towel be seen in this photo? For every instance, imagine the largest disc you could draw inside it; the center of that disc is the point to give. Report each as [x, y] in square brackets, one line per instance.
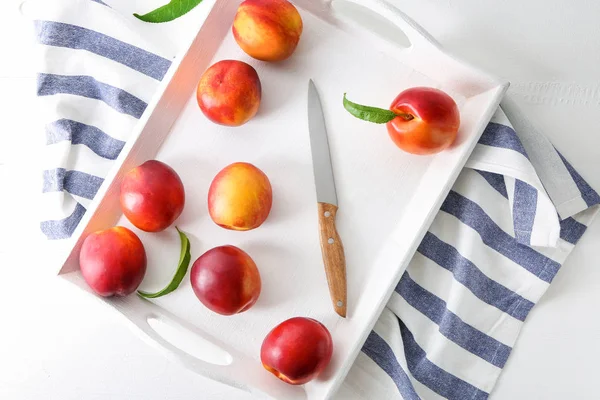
[510, 221]
[491, 253]
[97, 79]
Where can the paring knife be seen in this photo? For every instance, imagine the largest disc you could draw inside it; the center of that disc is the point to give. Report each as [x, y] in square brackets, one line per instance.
[331, 245]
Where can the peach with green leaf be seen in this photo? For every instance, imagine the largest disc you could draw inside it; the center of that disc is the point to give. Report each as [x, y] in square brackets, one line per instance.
[420, 120]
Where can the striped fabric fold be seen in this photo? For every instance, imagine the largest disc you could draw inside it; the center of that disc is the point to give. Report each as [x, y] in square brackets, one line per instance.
[503, 137]
[467, 274]
[380, 352]
[571, 230]
[88, 116]
[471, 214]
[589, 195]
[455, 345]
[434, 377]
[450, 325]
[59, 34]
[87, 135]
[490, 254]
[500, 153]
[496, 181]
[524, 210]
[63, 228]
[74, 182]
[86, 86]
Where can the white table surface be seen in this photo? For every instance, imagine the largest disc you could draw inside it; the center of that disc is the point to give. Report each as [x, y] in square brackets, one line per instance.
[54, 345]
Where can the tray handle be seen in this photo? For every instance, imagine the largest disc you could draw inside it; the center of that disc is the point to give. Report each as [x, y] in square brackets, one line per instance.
[418, 37]
[168, 334]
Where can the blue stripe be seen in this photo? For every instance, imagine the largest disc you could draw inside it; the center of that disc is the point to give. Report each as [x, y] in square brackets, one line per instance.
[63, 228]
[524, 208]
[503, 136]
[467, 273]
[571, 230]
[496, 181]
[432, 376]
[380, 352]
[101, 2]
[75, 37]
[471, 214]
[86, 86]
[80, 133]
[450, 325]
[588, 194]
[74, 182]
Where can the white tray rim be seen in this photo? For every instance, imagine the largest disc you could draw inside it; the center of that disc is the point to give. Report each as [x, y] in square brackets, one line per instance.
[88, 223]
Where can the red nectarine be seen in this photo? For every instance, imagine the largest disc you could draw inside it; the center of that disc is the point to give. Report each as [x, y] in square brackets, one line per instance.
[113, 261]
[421, 120]
[297, 350]
[225, 279]
[229, 93]
[432, 123]
[152, 196]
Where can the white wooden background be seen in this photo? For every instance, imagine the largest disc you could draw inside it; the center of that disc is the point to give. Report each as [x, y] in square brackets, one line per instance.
[56, 346]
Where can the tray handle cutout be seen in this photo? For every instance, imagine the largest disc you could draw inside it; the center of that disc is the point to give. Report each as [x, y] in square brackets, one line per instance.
[186, 342]
[182, 343]
[413, 32]
[198, 352]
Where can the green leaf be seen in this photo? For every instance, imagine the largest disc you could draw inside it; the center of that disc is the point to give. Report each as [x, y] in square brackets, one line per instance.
[366, 113]
[182, 267]
[173, 10]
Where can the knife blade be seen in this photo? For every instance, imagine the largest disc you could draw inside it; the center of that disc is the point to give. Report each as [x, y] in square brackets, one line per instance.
[332, 248]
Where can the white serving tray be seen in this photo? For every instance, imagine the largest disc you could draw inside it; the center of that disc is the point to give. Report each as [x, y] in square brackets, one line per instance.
[387, 198]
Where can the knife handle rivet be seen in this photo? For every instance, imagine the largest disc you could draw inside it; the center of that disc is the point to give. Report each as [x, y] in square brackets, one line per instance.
[340, 303]
[330, 240]
[327, 214]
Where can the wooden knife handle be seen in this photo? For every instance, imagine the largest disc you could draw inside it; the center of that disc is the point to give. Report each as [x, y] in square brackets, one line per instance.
[333, 257]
